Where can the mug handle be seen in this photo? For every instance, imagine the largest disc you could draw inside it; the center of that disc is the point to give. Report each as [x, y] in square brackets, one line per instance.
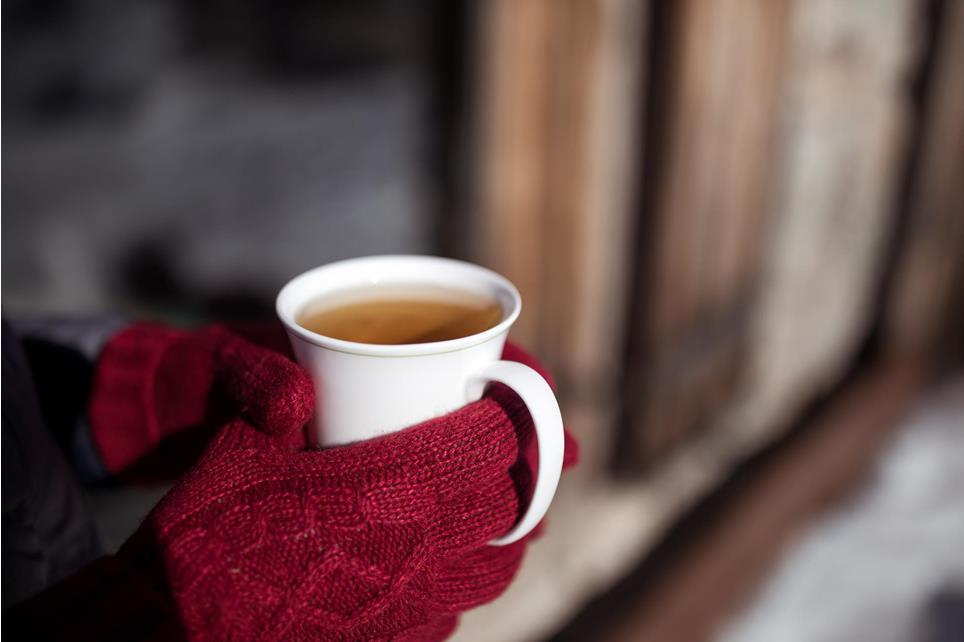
[547, 421]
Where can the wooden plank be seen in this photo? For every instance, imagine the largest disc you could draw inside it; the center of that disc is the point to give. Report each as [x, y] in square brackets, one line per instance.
[592, 191]
[556, 176]
[841, 149]
[508, 219]
[719, 96]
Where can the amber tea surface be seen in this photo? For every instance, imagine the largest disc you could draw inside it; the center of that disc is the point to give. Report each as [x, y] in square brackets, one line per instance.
[394, 320]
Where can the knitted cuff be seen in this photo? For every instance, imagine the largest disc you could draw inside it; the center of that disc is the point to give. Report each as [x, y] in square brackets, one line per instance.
[123, 424]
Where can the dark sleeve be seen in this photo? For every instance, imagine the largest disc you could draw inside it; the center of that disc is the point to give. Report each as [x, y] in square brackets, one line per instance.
[61, 353]
[85, 336]
[48, 531]
[51, 588]
[107, 600]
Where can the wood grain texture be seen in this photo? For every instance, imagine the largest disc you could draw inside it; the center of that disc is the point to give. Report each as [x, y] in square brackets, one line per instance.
[843, 141]
[515, 96]
[557, 163]
[715, 158]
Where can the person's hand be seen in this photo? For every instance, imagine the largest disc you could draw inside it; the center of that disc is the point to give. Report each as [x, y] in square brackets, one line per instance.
[155, 385]
[383, 539]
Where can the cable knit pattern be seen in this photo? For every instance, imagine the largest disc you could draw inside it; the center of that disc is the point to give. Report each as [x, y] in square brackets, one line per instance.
[380, 540]
[264, 539]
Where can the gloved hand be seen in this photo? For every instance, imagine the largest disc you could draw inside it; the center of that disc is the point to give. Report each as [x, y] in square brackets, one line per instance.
[153, 383]
[383, 539]
[265, 539]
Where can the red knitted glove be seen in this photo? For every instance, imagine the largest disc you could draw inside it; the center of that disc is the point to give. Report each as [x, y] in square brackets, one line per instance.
[152, 382]
[384, 539]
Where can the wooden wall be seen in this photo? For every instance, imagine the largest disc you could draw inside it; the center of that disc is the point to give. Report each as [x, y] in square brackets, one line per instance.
[710, 207]
[698, 200]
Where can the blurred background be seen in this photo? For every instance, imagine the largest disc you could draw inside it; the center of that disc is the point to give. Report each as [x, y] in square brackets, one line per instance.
[737, 225]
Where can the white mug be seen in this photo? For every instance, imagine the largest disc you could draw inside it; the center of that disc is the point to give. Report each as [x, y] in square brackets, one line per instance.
[365, 390]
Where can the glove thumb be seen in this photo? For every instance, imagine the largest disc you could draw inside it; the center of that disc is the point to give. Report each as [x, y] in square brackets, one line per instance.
[272, 392]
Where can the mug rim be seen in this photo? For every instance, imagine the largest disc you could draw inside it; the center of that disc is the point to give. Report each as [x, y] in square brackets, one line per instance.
[285, 308]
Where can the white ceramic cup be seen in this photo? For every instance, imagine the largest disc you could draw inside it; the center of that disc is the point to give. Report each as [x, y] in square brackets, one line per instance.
[364, 390]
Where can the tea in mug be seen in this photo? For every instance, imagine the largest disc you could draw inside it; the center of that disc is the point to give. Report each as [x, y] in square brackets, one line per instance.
[410, 317]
